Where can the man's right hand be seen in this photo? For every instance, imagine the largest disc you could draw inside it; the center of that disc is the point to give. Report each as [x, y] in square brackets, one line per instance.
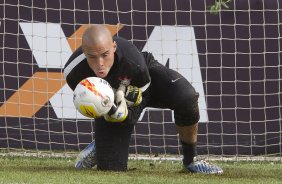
[118, 113]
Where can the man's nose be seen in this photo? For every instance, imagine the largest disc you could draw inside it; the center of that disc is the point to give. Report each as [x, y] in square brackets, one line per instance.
[101, 61]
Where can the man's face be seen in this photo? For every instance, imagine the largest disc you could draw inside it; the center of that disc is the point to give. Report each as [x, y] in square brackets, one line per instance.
[100, 57]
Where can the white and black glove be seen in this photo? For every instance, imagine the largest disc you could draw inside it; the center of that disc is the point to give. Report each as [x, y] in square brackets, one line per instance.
[119, 112]
[132, 95]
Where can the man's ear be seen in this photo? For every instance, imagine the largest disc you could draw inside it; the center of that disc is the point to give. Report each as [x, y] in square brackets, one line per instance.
[115, 46]
[83, 49]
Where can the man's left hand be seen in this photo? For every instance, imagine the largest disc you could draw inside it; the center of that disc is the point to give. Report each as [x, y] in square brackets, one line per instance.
[133, 95]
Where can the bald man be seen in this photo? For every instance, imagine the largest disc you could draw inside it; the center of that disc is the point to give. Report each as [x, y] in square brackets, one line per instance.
[145, 83]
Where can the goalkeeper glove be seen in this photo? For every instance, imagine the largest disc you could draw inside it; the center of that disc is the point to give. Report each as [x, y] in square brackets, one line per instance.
[118, 113]
[133, 95]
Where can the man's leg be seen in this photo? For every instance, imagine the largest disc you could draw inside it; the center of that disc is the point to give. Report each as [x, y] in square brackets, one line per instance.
[188, 138]
[169, 89]
[110, 148]
[87, 157]
[187, 116]
[112, 145]
[188, 135]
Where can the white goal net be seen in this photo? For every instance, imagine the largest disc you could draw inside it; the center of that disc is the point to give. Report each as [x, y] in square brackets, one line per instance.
[231, 55]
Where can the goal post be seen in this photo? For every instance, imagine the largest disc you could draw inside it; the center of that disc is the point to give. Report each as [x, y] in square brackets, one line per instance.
[230, 54]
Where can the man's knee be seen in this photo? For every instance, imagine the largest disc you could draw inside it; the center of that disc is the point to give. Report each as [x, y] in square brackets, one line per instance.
[188, 113]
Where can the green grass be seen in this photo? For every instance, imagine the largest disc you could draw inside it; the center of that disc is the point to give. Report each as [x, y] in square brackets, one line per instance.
[61, 170]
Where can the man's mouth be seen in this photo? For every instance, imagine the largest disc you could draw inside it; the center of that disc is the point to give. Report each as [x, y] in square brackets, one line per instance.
[101, 73]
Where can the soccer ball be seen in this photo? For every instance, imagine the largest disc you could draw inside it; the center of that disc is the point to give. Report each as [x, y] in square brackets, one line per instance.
[93, 97]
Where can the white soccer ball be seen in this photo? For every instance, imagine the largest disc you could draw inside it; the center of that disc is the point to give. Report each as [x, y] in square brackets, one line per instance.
[93, 97]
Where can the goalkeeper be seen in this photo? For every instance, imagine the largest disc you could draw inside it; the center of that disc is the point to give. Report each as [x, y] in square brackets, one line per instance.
[140, 82]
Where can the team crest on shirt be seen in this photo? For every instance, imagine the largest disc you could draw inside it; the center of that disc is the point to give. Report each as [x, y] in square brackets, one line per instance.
[124, 80]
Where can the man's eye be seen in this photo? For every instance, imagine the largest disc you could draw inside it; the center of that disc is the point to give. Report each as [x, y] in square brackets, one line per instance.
[105, 55]
[91, 56]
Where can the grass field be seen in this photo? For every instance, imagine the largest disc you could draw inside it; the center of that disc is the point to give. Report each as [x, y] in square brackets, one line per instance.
[61, 170]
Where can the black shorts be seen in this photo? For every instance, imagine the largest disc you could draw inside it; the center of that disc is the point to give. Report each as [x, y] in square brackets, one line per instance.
[171, 90]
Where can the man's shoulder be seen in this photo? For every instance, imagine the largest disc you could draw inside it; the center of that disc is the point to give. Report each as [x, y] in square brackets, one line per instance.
[123, 43]
[77, 54]
[120, 39]
[126, 49]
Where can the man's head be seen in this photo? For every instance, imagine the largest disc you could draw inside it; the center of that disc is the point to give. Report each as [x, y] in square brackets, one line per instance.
[99, 48]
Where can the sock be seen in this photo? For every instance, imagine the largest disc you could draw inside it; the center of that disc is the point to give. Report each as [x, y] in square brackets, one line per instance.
[189, 152]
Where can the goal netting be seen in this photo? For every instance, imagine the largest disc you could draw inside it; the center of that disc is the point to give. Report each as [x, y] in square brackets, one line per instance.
[231, 55]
